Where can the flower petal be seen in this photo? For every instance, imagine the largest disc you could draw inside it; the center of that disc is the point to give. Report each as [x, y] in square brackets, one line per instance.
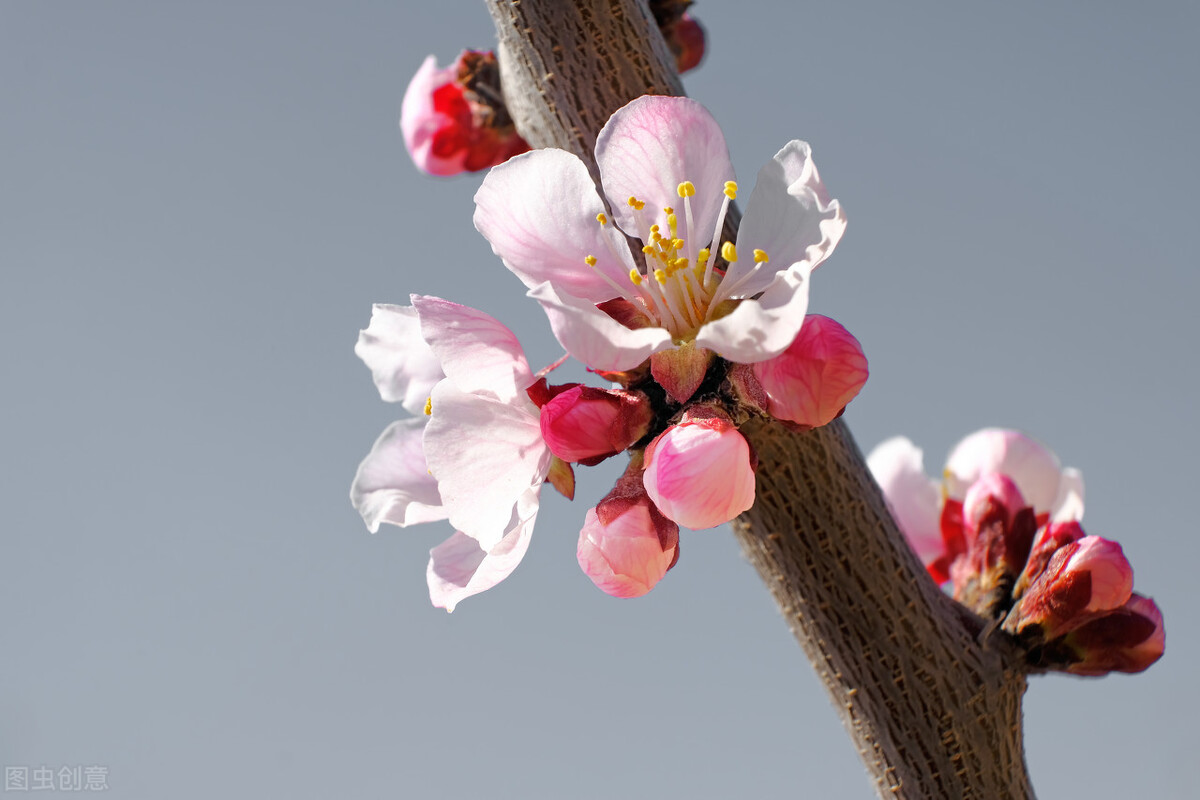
[1068, 506]
[759, 329]
[595, 338]
[653, 144]
[789, 216]
[913, 497]
[1031, 464]
[393, 484]
[420, 121]
[404, 368]
[538, 211]
[459, 567]
[485, 456]
[477, 352]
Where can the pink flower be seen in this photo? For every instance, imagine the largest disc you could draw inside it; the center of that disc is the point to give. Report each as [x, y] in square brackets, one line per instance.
[448, 127]
[587, 425]
[474, 456]
[811, 381]
[667, 176]
[700, 472]
[627, 548]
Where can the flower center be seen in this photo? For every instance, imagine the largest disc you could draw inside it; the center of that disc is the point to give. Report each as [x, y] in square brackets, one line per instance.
[679, 289]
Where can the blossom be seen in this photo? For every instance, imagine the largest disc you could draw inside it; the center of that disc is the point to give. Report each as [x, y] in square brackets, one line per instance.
[472, 373]
[629, 551]
[668, 182]
[700, 472]
[919, 503]
[448, 126]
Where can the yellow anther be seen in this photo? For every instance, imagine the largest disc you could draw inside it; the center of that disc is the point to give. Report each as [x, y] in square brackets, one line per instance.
[729, 252]
[590, 260]
[636, 204]
[687, 189]
[668, 210]
[654, 229]
[428, 406]
[602, 218]
[660, 276]
[647, 249]
[702, 256]
[731, 190]
[761, 257]
[677, 244]
[635, 277]
[672, 223]
[679, 263]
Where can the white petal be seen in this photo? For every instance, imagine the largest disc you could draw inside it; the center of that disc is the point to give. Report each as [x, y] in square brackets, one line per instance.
[393, 483]
[789, 216]
[653, 144]
[1068, 506]
[477, 352]
[760, 329]
[595, 338]
[538, 211]
[403, 366]
[1029, 463]
[485, 456]
[459, 567]
[914, 498]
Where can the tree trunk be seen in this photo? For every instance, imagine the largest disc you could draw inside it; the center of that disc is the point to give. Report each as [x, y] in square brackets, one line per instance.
[932, 703]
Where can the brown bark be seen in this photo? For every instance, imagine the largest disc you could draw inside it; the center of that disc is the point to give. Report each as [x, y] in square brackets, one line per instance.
[934, 712]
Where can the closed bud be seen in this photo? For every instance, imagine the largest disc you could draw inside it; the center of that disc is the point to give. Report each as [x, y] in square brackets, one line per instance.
[810, 383]
[1129, 639]
[1046, 543]
[453, 119]
[586, 425]
[626, 546]
[700, 472]
[997, 529]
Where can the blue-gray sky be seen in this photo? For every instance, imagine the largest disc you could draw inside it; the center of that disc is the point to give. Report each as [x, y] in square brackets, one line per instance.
[199, 203]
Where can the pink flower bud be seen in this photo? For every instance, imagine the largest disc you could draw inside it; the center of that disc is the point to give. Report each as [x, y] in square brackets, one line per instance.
[700, 472]
[448, 126]
[630, 549]
[686, 41]
[587, 425]
[1029, 463]
[1129, 639]
[1045, 544]
[811, 382]
[993, 494]
[1083, 579]
[998, 529]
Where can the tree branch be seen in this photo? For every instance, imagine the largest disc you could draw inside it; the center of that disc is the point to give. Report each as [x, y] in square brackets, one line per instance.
[934, 711]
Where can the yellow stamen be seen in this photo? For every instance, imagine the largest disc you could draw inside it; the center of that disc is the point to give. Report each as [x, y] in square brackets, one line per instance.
[731, 190]
[636, 204]
[702, 256]
[590, 260]
[647, 249]
[428, 406]
[635, 277]
[677, 244]
[729, 252]
[687, 189]
[602, 218]
[660, 276]
[761, 257]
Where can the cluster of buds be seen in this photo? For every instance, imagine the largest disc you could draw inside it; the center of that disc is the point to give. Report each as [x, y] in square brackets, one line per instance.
[1015, 553]
[454, 118]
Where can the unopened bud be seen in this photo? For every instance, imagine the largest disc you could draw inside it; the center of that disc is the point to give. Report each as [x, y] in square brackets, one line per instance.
[586, 425]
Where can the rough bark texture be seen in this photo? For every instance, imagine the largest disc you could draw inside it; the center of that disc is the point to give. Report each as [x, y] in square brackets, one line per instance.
[933, 712]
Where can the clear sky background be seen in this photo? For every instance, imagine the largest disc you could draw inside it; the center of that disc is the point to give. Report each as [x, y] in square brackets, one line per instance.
[199, 203]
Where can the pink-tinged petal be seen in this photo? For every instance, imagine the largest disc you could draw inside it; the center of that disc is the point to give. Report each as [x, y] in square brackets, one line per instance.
[404, 368]
[587, 425]
[700, 473]
[1128, 639]
[1112, 575]
[459, 567]
[990, 493]
[653, 144]
[393, 484]
[477, 352]
[1031, 464]
[485, 456]
[898, 467]
[625, 558]
[760, 329]
[595, 338]
[1068, 505]
[424, 127]
[538, 211]
[821, 371]
[789, 216]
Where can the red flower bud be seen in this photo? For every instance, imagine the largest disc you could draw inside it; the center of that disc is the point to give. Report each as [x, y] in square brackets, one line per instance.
[587, 425]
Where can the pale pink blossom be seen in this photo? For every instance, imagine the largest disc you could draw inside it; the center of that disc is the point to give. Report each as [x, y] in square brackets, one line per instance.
[630, 551]
[447, 127]
[668, 181]
[811, 382]
[700, 472]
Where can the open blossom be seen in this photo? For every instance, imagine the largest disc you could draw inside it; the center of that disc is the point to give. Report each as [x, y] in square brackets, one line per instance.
[475, 456]
[700, 472]
[668, 181]
[916, 500]
[448, 126]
